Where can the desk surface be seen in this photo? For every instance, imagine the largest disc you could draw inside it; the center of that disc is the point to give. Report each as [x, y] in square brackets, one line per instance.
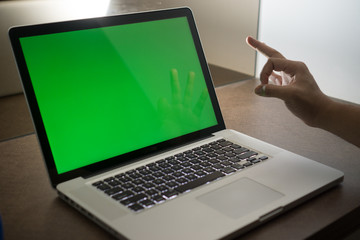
[31, 209]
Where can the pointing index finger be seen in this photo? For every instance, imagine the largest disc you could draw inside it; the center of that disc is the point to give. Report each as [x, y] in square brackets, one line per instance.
[263, 48]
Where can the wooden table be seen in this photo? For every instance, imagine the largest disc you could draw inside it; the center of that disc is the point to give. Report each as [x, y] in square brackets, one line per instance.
[31, 209]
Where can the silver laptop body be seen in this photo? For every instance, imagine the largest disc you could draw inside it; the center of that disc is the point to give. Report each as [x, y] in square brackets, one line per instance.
[119, 98]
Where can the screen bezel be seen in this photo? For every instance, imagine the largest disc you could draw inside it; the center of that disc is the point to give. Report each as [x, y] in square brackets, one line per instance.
[16, 33]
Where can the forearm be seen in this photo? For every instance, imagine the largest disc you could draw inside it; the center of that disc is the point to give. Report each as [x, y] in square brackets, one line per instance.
[343, 120]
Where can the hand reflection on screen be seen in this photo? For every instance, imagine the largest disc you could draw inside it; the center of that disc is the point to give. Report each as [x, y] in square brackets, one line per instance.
[182, 113]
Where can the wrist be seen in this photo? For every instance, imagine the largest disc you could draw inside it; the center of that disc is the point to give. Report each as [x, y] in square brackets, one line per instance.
[325, 112]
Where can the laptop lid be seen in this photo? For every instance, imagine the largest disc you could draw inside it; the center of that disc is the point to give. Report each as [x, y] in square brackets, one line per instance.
[106, 91]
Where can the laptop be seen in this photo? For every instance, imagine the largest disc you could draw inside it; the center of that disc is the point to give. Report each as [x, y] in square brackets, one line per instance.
[132, 134]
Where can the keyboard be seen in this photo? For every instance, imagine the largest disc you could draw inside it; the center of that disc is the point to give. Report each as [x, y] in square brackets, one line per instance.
[160, 181]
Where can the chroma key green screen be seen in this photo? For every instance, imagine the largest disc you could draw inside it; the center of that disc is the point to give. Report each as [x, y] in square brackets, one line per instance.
[107, 91]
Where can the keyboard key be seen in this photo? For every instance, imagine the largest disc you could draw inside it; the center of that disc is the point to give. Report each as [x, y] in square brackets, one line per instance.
[148, 185]
[208, 150]
[148, 178]
[165, 165]
[230, 154]
[137, 197]
[195, 161]
[158, 174]
[255, 161]
[170, 193]
[222, 158]
[172, 184]
[240, 150]
[137, 182]
[162, 188]
[158, 198]
[218, 166]
[191, 177]
[251, 159]
[124, 179]
[152, 192]
[135, 175]
[147, 203]
[181, 180]
[123, 195]
[214, 161]
[235, 146]
[109, 179]
[226, 163]
[126, 202]
[216, 146]
[138, 189]
[127, 185]
[196, 167]
[200, 181]
[200, 173]
[228, 149]
[170, 158]
[209, 169]
[200, 153]
[211, 155]
[178, 167]
[97, 183]
[178, 174]
[114, 183]
[145, 172]
[228, 170]
[168, 178]
[136, 207]
[248, 154]
[103, 187]
[113, 191]
[187, 171]
[248, 164]
[186, 164]
[234, 159]
[174, 162]
[237, 166]
[225, 143]
[154, 168]
[120, 175]
[167, 171]
[158, 181]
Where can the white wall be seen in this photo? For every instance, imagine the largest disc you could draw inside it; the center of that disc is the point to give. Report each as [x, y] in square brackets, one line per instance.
[325, 34]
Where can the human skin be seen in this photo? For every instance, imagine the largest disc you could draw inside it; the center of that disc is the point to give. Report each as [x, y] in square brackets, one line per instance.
[293, 83]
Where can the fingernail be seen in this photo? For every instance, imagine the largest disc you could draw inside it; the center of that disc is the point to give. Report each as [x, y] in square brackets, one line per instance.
[260, 90]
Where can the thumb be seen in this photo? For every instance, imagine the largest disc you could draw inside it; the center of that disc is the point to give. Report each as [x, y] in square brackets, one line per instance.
[270, 90]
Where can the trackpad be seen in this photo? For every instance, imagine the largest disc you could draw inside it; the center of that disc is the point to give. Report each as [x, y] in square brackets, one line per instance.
[240, 197]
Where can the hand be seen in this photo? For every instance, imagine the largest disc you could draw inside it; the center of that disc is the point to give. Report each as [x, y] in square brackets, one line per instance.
[292, 82]
[183, 112]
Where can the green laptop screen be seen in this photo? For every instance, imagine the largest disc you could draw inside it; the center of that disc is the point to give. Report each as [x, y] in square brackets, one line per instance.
[108, 91]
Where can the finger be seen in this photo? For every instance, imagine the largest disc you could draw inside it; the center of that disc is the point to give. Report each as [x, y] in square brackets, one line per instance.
[199, 106]
[278, 64]
[175, 87]
[163, 107]
[189, 90]
[263, 48]
[267, 90]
